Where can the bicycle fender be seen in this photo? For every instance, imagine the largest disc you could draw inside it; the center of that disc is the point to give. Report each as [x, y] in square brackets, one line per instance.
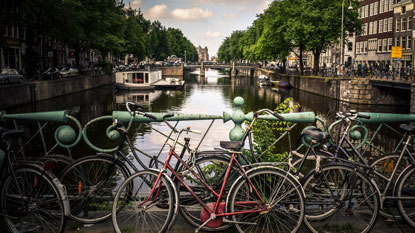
[64, 196]
[409, 167]
[378, 191]
[176, 197]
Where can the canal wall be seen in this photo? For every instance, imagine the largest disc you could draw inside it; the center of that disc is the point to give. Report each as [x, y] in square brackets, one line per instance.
[356, 91]
[12, 95]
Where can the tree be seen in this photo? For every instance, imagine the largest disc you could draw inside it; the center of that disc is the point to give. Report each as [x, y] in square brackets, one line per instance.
[324, 18]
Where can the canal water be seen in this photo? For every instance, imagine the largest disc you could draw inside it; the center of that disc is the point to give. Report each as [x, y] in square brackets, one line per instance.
[212, 95]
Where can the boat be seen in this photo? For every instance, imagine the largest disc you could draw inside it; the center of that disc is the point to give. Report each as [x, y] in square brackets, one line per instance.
[137, 79]
[169, 83]
[264, 81]
[281, 84]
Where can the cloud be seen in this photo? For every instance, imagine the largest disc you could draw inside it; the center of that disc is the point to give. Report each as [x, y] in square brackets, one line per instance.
[157, 12]
[135, 4]
[214, 34]
[231, 16]
[195, 13]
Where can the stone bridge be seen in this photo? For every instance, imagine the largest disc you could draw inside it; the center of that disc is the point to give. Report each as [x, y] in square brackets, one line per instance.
[234, 67]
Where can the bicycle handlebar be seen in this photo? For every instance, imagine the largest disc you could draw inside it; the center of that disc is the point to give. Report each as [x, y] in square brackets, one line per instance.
[138, 106]
[270, 112]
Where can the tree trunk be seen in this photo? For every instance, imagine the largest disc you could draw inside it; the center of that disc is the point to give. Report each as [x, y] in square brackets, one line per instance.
[316, 61]
[301, 60]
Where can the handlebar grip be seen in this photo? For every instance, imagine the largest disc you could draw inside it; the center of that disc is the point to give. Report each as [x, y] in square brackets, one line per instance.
[168, 115]
[281, 118]
[150, 116]
[196, 131]
[363, 116]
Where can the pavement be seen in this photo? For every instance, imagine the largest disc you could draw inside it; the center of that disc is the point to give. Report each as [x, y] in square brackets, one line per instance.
[181, 225]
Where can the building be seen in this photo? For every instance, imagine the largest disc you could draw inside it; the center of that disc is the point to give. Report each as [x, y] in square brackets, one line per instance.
[203, 53]
[403, 37]
[374, 44]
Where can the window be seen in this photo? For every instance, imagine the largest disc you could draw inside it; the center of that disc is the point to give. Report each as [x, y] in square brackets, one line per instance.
[358, 47]
[390, 22]
[350, 46]
[372, 44]
[398, 41]
[381, 6]
[404, 42]
[375, 27]
[370, 28]
[366, 10]
[385, 25]
[380, 45]
[385, 45]
[366, 29]
[404, 26]
[389, 44]
[365, 45]
[409, 42]
[380, 26]
[409, 22]
[398, 25]
[362, 49]
[390, 5]
[375, 8]
[386, 6]
[403, 9]
[371, 10]
[359, 11]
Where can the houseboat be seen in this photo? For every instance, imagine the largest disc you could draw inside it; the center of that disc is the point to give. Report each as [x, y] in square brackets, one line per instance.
[137, 79]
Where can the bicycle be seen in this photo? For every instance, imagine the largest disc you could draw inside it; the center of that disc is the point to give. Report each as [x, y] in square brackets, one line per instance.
[32, 198]
[92, 181]
[238, 209]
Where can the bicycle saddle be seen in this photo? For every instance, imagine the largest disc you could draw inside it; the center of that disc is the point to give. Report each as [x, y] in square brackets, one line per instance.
[231, 145]
[316, 134]
[408, 128]
[10, 133]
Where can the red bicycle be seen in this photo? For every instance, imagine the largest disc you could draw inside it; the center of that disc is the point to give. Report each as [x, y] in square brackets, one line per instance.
[264, 198]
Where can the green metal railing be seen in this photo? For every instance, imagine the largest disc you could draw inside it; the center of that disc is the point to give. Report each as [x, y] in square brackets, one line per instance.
[71, 132]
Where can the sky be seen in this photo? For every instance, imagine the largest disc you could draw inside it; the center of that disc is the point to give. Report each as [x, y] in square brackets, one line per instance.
[204, 22]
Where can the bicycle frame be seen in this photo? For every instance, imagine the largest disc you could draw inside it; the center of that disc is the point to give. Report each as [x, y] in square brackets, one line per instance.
[219, 195]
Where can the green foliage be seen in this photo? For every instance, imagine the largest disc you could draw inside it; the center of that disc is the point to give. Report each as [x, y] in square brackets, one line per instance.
[291, 26]
[266, 132]
[95, 24]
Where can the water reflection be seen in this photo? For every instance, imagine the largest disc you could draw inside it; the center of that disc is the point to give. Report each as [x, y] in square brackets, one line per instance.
[211, 94]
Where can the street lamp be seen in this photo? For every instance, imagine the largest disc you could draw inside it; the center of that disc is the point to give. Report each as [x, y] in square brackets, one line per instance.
[185, 57]
[342, 37]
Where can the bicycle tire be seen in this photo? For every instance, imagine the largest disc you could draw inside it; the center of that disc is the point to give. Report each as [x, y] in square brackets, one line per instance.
[273, 185]
[190, 209]
[406, 189]
[133, 189]
[323, 214]
[385, 165]
[38, 208]
[81, 182]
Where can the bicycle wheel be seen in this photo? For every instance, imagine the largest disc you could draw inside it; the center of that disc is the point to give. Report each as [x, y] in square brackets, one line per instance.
[406, 189]
[62, 161]
[283, 196]
[335, 201]
[384, 165]
[145, 211]
[211, 169]
[91, 184]
[33, 204]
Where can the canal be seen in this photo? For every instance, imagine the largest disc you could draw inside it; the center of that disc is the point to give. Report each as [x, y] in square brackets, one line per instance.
[211, 94]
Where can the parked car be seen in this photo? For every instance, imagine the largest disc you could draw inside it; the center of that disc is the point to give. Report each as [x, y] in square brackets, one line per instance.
[68, 72]
[48, 73]
[10, 76]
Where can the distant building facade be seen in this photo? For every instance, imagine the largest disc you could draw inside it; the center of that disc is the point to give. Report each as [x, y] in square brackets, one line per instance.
[203, 53]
